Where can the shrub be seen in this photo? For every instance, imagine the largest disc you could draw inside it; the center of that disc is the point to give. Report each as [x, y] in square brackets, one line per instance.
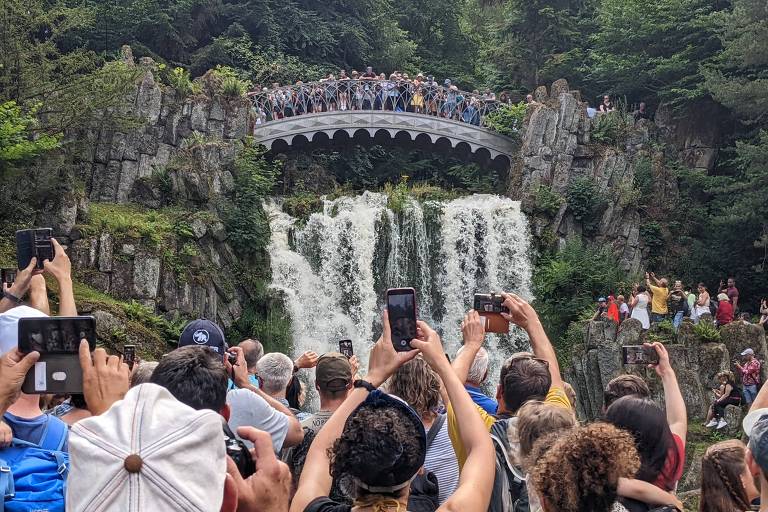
[232, 86]
[507, 119]
[584, 200]
[397, 195]
[546, 201]
[707, 332]
[180, 80]
[611, 129]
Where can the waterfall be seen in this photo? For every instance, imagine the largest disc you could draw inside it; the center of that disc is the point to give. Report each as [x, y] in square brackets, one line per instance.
[335, 268]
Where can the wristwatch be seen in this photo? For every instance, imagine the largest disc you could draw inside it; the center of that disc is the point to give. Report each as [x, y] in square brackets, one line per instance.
[360, 383]
[11, 297]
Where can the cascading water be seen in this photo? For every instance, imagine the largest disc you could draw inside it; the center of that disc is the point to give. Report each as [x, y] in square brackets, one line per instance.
[335, 268]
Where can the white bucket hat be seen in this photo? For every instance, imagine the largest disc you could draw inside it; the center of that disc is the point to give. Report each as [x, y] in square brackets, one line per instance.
[148, 452]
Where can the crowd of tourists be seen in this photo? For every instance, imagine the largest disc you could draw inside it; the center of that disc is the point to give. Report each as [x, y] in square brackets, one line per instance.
[397, 92]
[655, 301]
[211, 426]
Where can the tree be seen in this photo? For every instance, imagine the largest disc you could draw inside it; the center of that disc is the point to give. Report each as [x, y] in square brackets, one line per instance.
[653, 50]
[19, 141]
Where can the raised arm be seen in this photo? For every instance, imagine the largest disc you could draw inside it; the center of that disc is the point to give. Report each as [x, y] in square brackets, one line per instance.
[677, 416]
[473, 332]
[239, 373]
[315, 479]
[476, 480]
[61, 269]
[523, 315]
[20, 287]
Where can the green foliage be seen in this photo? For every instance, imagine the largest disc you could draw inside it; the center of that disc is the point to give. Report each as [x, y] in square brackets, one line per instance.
[180, 79]
[231, 84]
[707, 332]
[568, 282]
[154, 226]
[266, 319]
[245, 220]
[397, 195]
[302, 205]
[584, 200]
[170, 330]
[611, 129]
[662, 332]
[20, 140]
[507, 119]
[546, 201]
[653, 50]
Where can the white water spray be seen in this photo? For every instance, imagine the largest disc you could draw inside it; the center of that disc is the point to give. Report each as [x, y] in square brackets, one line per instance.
[342, 260]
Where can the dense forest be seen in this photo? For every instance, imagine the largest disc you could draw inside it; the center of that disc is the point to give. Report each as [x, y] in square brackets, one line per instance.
[59, 63]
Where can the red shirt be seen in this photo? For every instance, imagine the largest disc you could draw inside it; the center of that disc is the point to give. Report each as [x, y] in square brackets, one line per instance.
[724, 313]
[613, 312]
[672, 471]
[750, 373]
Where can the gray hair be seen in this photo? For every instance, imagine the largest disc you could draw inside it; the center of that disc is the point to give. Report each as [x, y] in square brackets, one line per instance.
[253, 350]
[143, 372]
[275, 372]
[479, 368]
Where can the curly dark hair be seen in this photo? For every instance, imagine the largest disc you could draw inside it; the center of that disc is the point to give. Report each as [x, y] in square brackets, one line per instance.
[581, 470]
[378, 445]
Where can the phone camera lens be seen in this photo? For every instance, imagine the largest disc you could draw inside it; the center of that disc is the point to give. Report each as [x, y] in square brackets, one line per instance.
[402, 343]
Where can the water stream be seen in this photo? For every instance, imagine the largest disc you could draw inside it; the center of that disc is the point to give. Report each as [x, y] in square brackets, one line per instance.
[334, 268]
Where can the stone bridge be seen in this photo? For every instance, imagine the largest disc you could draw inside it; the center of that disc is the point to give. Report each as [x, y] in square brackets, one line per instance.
[369, 125]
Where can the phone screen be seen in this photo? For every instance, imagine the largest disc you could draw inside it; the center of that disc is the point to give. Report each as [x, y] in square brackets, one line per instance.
[129, 355]
[57, 335]
[638, 354]
[345, 347]
[401, 307]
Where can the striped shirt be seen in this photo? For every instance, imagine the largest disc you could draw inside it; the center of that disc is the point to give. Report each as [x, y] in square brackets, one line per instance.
[441, 460]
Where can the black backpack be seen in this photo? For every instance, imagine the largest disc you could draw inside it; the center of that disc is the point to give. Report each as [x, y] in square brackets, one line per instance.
[510, 493]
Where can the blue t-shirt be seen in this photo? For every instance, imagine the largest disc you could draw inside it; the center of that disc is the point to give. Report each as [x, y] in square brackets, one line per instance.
[31, 429]
[489, 405]
[254, 380]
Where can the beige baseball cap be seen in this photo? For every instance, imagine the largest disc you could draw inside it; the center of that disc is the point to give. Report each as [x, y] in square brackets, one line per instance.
[148, 452]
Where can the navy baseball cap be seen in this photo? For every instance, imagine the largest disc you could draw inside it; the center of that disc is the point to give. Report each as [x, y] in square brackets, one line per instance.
[203, 333]
[756, 428]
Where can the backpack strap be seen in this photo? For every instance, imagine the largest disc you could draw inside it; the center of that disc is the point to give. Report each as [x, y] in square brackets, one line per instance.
[54, 435]
[435, 429]
[7, 487]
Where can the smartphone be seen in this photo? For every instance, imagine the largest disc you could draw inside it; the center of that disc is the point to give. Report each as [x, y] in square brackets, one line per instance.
[638, 354]
[129, 355]
[345, 347]
[8, 276]
[401, 307]
[34, 243]
[58, 341]
[490, 307]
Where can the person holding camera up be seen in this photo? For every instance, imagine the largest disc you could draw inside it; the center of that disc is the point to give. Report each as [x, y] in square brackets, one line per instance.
[750, 375]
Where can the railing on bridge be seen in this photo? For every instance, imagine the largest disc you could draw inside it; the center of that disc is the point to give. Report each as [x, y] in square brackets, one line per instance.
[425, 98]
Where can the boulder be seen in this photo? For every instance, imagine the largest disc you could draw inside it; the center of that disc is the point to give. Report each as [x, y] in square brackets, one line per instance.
[733, 416]
[738, 336]
[146, 276]
[713, 359]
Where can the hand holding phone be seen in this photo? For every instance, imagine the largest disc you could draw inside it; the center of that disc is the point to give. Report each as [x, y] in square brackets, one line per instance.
[401, 309]
[34, 243]
[129, 355]
[490, 306]
[57, 339]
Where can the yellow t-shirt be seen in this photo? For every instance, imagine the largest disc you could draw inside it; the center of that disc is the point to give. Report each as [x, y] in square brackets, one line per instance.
[659, 300]
[555, 396]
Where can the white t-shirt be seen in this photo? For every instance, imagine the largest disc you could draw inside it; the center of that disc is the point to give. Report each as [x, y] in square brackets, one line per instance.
[247, 409]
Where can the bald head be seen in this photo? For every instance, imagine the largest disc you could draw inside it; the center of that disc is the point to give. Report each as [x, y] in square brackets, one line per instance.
[252, 350]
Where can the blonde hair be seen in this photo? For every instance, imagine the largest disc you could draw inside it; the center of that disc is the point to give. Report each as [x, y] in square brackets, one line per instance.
[537, 419]
[418, 385]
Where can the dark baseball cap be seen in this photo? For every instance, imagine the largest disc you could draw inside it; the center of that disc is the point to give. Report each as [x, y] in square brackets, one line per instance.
[333, 372]
[203, 333]
[756, 428]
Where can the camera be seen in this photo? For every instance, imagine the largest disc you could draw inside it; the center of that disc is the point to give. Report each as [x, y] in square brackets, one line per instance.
[238, 452]
[489, 303]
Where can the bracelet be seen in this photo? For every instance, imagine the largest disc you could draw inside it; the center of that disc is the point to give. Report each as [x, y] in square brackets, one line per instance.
[295, 369]
[360, 383]
[8, 295]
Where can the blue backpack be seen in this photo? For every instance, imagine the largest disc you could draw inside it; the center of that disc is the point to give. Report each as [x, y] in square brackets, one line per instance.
[33, 477]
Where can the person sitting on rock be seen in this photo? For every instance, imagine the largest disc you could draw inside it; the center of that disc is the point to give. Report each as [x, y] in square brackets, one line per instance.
[726, 394]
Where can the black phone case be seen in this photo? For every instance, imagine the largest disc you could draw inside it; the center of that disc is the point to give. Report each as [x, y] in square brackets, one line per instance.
[25, 248]
[54, 373]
